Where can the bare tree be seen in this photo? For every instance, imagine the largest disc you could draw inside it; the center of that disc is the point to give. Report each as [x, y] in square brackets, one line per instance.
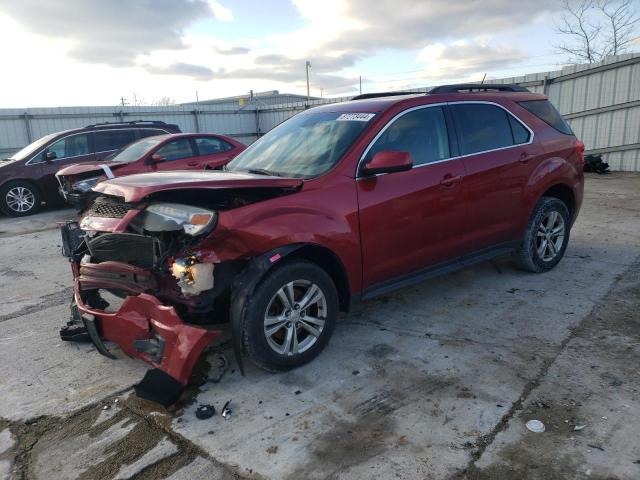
[622, 20]
[165, 102]
[596, 28]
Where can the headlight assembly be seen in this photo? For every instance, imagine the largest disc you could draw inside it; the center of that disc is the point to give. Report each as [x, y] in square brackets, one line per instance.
[85, 185]
[167, 217]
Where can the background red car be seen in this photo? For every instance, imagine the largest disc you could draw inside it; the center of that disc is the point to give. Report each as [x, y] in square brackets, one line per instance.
[185, 151]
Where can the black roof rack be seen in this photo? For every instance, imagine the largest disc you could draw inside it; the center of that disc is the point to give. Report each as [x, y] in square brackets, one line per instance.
[133, 122]
[477, 87]
[382, 94]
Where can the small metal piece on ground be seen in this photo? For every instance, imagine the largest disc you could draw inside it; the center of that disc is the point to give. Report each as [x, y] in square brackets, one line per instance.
[226, 411]
[205, 411]
[577, 428]
[535, 426]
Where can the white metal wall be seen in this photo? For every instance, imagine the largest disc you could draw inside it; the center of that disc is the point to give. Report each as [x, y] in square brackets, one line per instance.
[601, 102]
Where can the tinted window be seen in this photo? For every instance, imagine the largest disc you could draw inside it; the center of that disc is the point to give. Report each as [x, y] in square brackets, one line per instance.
[481, 127]
[211, 145]
[520, 134]
[135, 151]
[72, 146]
[112, 139]
[176, 150]
[149, 132]
[547, 113]
[422, 133]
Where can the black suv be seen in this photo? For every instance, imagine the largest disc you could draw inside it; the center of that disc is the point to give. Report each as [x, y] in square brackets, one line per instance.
[27, 178]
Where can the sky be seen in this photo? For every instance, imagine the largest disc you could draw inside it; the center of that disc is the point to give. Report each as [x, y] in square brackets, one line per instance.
[96, 52]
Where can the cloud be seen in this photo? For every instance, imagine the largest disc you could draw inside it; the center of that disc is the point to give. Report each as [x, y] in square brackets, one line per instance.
[232, 50]
[197, 72]
[223, 14]
[113, 32]
[464, 58]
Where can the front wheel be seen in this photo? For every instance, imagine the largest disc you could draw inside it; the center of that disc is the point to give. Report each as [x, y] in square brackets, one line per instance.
[546, 237]
[290, 316]
[19, 198]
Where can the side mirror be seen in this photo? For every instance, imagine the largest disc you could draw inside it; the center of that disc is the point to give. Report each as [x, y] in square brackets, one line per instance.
[50, 156]
[388, 162]
[156, 158]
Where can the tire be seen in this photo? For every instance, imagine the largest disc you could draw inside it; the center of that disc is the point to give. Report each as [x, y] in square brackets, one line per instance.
[19, 198]
[538, 251]
[266, 350]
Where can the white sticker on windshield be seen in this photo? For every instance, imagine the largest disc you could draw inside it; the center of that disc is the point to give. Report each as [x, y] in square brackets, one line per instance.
[355, 117]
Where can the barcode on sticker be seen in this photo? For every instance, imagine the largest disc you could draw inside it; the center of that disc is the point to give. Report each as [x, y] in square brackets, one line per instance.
[355, 117]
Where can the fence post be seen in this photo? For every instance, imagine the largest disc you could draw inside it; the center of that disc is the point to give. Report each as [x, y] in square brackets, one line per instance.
[27, 126]
[195, 116]
[257, 113]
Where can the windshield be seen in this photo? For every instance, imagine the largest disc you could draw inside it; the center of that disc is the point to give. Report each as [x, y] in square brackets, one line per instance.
[33, 147]
[304, 146]
[134, 151]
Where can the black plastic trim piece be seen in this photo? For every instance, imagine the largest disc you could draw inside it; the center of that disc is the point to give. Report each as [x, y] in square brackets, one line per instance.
[471, 87]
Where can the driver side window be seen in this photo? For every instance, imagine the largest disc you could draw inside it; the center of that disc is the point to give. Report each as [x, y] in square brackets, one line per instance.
[176, 150]
[422, 133]
[72, 146]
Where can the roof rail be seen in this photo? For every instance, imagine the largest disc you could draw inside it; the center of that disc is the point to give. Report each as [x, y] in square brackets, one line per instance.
[382, 94]
[479, 87]
[133, 122]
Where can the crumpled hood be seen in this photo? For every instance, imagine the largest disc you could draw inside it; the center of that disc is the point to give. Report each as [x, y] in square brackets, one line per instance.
[98, 167]
[134, 188]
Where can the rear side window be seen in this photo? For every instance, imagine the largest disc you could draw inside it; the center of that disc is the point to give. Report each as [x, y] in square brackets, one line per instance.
[150, 132]
[211, 145]
[422, 133]
[112, 139]
[545, 111]
[481, 127]
[520, 134]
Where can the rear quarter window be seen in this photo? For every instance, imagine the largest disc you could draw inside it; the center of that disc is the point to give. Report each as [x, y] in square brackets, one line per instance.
[545, 111]
[481, 127]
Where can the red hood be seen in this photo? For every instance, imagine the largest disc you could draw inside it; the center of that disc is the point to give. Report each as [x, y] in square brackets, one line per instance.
[134, 188]
[77, 168]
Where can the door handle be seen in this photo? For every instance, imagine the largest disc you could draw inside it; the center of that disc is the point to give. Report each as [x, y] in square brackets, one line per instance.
[448, 180]
[524, 158]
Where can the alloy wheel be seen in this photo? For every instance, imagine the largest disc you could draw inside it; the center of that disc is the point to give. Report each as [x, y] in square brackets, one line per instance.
[20, 199]
[550, 236]
[295, 317]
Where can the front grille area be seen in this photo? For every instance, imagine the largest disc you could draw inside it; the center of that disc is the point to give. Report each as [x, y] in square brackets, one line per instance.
[138, 250]
[108, 208]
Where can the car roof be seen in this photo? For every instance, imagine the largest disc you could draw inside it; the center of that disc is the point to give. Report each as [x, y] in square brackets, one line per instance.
[118, 126]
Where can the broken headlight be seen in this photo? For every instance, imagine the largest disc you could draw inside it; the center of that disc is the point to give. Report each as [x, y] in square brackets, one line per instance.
[85, 185]
[168, 217]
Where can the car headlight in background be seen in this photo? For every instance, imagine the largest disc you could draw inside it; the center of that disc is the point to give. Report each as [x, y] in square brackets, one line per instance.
[86, 185]
[166, 217]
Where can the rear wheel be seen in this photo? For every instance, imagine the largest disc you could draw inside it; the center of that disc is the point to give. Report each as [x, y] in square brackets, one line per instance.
[546, 237]
[290, 316]
[19, 198]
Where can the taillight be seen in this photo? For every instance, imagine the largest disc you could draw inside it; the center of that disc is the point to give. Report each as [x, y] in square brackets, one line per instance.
[580, 152]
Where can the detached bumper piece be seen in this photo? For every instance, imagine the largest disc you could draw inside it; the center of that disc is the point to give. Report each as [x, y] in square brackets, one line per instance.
[152, 332]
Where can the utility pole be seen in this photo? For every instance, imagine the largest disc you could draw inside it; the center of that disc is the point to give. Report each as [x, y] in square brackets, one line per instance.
[308, 66]
[360, 84]
[321, 89]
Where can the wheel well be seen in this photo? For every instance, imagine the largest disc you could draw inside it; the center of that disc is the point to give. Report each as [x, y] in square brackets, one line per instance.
[565, 194]
[329, 261]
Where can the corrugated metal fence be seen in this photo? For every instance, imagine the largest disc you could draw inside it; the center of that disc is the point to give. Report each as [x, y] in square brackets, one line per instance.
[601, 102]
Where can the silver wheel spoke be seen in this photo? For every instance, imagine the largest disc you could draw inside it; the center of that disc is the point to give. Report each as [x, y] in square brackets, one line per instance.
[310, 297]
[313, 331]
[553, 216]
[318, 322]
[284, 296]
[542, 248]
[286, 345]
[275, 328]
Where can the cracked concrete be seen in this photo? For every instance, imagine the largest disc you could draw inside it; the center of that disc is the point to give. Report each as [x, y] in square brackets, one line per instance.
[434, 381]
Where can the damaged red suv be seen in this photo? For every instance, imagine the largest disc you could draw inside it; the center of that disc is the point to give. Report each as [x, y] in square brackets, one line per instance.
[338, 204]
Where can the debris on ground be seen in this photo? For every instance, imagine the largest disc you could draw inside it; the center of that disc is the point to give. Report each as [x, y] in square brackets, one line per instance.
[219, 367]
[205, 411]
[577, 428]
[513, 290]
[596, 447]
[535, 426]
[594, 164]
[226, 410]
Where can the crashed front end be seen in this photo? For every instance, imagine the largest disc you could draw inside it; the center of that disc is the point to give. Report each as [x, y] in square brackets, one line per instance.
[139, 283]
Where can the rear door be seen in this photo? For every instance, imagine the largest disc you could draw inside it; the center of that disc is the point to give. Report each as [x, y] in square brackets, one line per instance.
[413, 219]
[213, 152]
[499, 157]
[106, 142]
[177, 154]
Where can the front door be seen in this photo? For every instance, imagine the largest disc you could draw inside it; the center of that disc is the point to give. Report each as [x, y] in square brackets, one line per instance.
[417, 218]
[177, 155]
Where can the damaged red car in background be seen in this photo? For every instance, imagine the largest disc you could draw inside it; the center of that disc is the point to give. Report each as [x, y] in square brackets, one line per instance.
[185, 151]
[338, 204]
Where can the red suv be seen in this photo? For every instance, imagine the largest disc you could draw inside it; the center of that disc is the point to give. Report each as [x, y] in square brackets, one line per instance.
[338, 204]
[185, 151]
